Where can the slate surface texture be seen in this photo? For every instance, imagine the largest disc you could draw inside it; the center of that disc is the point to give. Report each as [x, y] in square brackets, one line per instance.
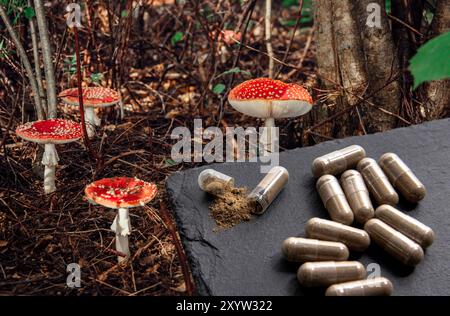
[246, 259]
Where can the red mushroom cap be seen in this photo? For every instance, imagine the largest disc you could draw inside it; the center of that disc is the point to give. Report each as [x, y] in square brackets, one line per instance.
[52, 131]
[268, 89]
[120, 192]
[264, 97]
[92, 96]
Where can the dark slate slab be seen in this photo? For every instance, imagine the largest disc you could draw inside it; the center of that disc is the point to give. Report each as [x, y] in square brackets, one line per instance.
[246, 260]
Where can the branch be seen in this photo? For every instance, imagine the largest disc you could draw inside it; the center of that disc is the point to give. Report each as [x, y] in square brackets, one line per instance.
[47, 55]
[268, 36]
[26, 63]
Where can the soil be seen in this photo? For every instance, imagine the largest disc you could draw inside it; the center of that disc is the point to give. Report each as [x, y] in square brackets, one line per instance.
[231, 207]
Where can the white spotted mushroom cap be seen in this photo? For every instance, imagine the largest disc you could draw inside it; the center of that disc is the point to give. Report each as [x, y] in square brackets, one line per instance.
[264, 98]
[120, 192]
[51, 131]
[92, 96]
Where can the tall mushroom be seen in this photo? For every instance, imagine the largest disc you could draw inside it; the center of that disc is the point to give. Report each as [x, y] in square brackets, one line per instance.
[50, 132]
[93, 97]
[121, 193]
[270, 99]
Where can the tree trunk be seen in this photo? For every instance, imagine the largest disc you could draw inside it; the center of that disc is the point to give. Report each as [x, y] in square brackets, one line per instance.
[438, 92]
[26, 62]
[382, 65]
[47, 56]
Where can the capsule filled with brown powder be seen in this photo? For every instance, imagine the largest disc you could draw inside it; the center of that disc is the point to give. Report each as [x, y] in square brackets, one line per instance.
[405, 224]
[315, 274]
[377, 182]
[334, 199]
[393, 242]
[371, 287]
[338, 161]
[357, 195]
[322, 229]
[214, 182]
[268, 189]
[297, 249]
[402, 178]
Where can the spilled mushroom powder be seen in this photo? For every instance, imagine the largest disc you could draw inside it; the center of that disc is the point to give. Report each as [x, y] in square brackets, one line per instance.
[230, 206]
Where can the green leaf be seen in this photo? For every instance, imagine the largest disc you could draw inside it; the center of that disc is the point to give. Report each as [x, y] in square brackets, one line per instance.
[218, 88]
[178, 36]
[289, 3]
[287, 22]
[29, 13]
[432, 60]
[124, 13]
[234, 70]
[170, 162]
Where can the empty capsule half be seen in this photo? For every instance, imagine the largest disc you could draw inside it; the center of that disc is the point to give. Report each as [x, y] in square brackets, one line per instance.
[334, 199]
[393, 242]
[322, 229]
[268, 189]
[214, 182]
[408, 226]
[338, 161]
[325, 273]
[357, 195]
[377, 182]
[297, 249]
[402, 178]
[371, 287]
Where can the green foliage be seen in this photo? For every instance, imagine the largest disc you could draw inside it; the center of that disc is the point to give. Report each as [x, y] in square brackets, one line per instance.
[16, 8]
[234, 70]
[307, 13]
[29, 13]
[3, 50]
[432, 60]
[96, 78]
[70, 64]
[169, 162]
[218, 88]
[124, 13]
[177, 37]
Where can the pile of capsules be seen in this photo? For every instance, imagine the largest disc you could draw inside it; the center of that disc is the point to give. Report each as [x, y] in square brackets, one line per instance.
[326, 247]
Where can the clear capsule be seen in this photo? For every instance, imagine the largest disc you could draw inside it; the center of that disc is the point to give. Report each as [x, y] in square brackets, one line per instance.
[371, 287]
[402, 178]
[268, 189]
[325, 273]
[334, 199]
[322, 229]
[297, 249]
[338, 161]
[357, 195]
[393, 242]
[214, 182]
[377, 182]
[408, 226]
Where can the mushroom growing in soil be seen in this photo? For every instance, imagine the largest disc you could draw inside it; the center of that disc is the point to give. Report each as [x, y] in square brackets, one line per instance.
[270, 99]
[93, 97]
[121, 193]
[50, 132]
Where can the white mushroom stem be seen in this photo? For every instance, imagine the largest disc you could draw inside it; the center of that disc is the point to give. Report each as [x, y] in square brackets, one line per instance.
[50, 161]
[122, 227]
[267, 140]
[92, 120]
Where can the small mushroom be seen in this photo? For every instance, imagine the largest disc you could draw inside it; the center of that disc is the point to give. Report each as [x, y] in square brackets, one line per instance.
[93, 97]
[50, 132]
[270, 99]
[121, 193]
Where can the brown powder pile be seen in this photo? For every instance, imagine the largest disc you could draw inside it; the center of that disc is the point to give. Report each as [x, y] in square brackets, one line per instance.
[231, 207]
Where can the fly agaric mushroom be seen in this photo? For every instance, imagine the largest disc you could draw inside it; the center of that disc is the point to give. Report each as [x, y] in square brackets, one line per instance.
[121, 193]
[270, 99]
[93, 97]
[50, 132]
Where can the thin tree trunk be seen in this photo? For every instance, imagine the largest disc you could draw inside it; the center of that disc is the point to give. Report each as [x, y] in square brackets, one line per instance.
[382, 65]
[327, 65]
[268, 36]
[438, 92]
[350, 57]
[26, 62]
[47, 56]
[37, 67]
